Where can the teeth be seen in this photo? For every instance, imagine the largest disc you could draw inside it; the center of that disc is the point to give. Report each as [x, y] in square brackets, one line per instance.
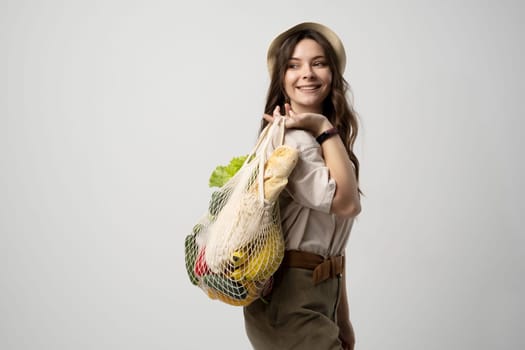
[308, 88]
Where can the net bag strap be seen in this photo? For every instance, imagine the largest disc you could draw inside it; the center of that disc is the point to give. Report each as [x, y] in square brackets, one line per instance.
[277, 126]
[261, 147]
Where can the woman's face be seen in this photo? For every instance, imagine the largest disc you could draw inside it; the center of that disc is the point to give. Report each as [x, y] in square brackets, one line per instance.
[308, 78]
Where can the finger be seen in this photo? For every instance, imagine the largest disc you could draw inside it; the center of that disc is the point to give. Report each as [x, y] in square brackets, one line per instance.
[289, 123]
[287, 109]
[291, 113]
[268, 118]
[277, 111]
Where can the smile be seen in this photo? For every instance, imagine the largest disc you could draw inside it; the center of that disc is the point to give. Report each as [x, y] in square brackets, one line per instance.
[309, 87]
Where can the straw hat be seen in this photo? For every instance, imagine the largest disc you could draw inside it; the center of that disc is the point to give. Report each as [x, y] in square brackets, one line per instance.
[332, 38]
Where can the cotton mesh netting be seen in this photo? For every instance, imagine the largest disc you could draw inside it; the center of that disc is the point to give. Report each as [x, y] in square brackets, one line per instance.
[237, 245]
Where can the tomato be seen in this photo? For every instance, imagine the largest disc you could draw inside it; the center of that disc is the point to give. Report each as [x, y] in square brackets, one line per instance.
[201, 268]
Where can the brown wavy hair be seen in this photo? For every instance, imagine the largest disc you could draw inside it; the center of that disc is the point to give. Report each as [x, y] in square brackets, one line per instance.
[336, 107]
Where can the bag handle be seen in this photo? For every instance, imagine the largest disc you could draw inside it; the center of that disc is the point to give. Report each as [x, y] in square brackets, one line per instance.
[265, 137]
[278, 123]
[261, 147]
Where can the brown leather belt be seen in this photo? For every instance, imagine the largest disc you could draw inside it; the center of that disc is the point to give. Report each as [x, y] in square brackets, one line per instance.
[323, 268]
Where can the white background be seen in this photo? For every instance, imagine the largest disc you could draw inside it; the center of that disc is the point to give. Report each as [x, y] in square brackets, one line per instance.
[114, 113]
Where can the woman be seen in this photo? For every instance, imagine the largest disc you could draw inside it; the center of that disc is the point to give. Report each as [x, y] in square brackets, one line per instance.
[307, 307]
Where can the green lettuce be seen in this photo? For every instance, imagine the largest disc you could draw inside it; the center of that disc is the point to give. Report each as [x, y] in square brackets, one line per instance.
[222, 173]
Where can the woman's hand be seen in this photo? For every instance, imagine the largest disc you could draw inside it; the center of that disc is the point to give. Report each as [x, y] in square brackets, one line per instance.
[346, 202]
[313, 122]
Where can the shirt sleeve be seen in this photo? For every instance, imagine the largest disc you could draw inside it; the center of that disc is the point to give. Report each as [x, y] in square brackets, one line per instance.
[309, 183]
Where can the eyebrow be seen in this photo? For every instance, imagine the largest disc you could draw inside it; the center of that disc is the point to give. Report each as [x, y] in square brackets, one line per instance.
[314, 58]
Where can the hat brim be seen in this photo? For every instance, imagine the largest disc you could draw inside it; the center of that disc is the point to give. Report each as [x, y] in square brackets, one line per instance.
[329, 34]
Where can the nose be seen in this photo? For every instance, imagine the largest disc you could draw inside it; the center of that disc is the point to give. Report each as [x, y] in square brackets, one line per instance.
[307, 72]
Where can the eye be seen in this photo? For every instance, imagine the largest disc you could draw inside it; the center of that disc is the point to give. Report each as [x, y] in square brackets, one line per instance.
[293, 65]
[319, 64]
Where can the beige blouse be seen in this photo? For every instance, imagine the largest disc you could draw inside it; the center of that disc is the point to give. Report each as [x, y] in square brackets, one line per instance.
[305, 203]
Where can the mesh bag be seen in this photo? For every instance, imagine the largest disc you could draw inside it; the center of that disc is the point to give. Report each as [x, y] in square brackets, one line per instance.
[237, 245]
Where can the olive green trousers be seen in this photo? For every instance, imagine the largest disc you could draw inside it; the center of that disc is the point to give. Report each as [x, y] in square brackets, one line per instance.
[296, 315]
